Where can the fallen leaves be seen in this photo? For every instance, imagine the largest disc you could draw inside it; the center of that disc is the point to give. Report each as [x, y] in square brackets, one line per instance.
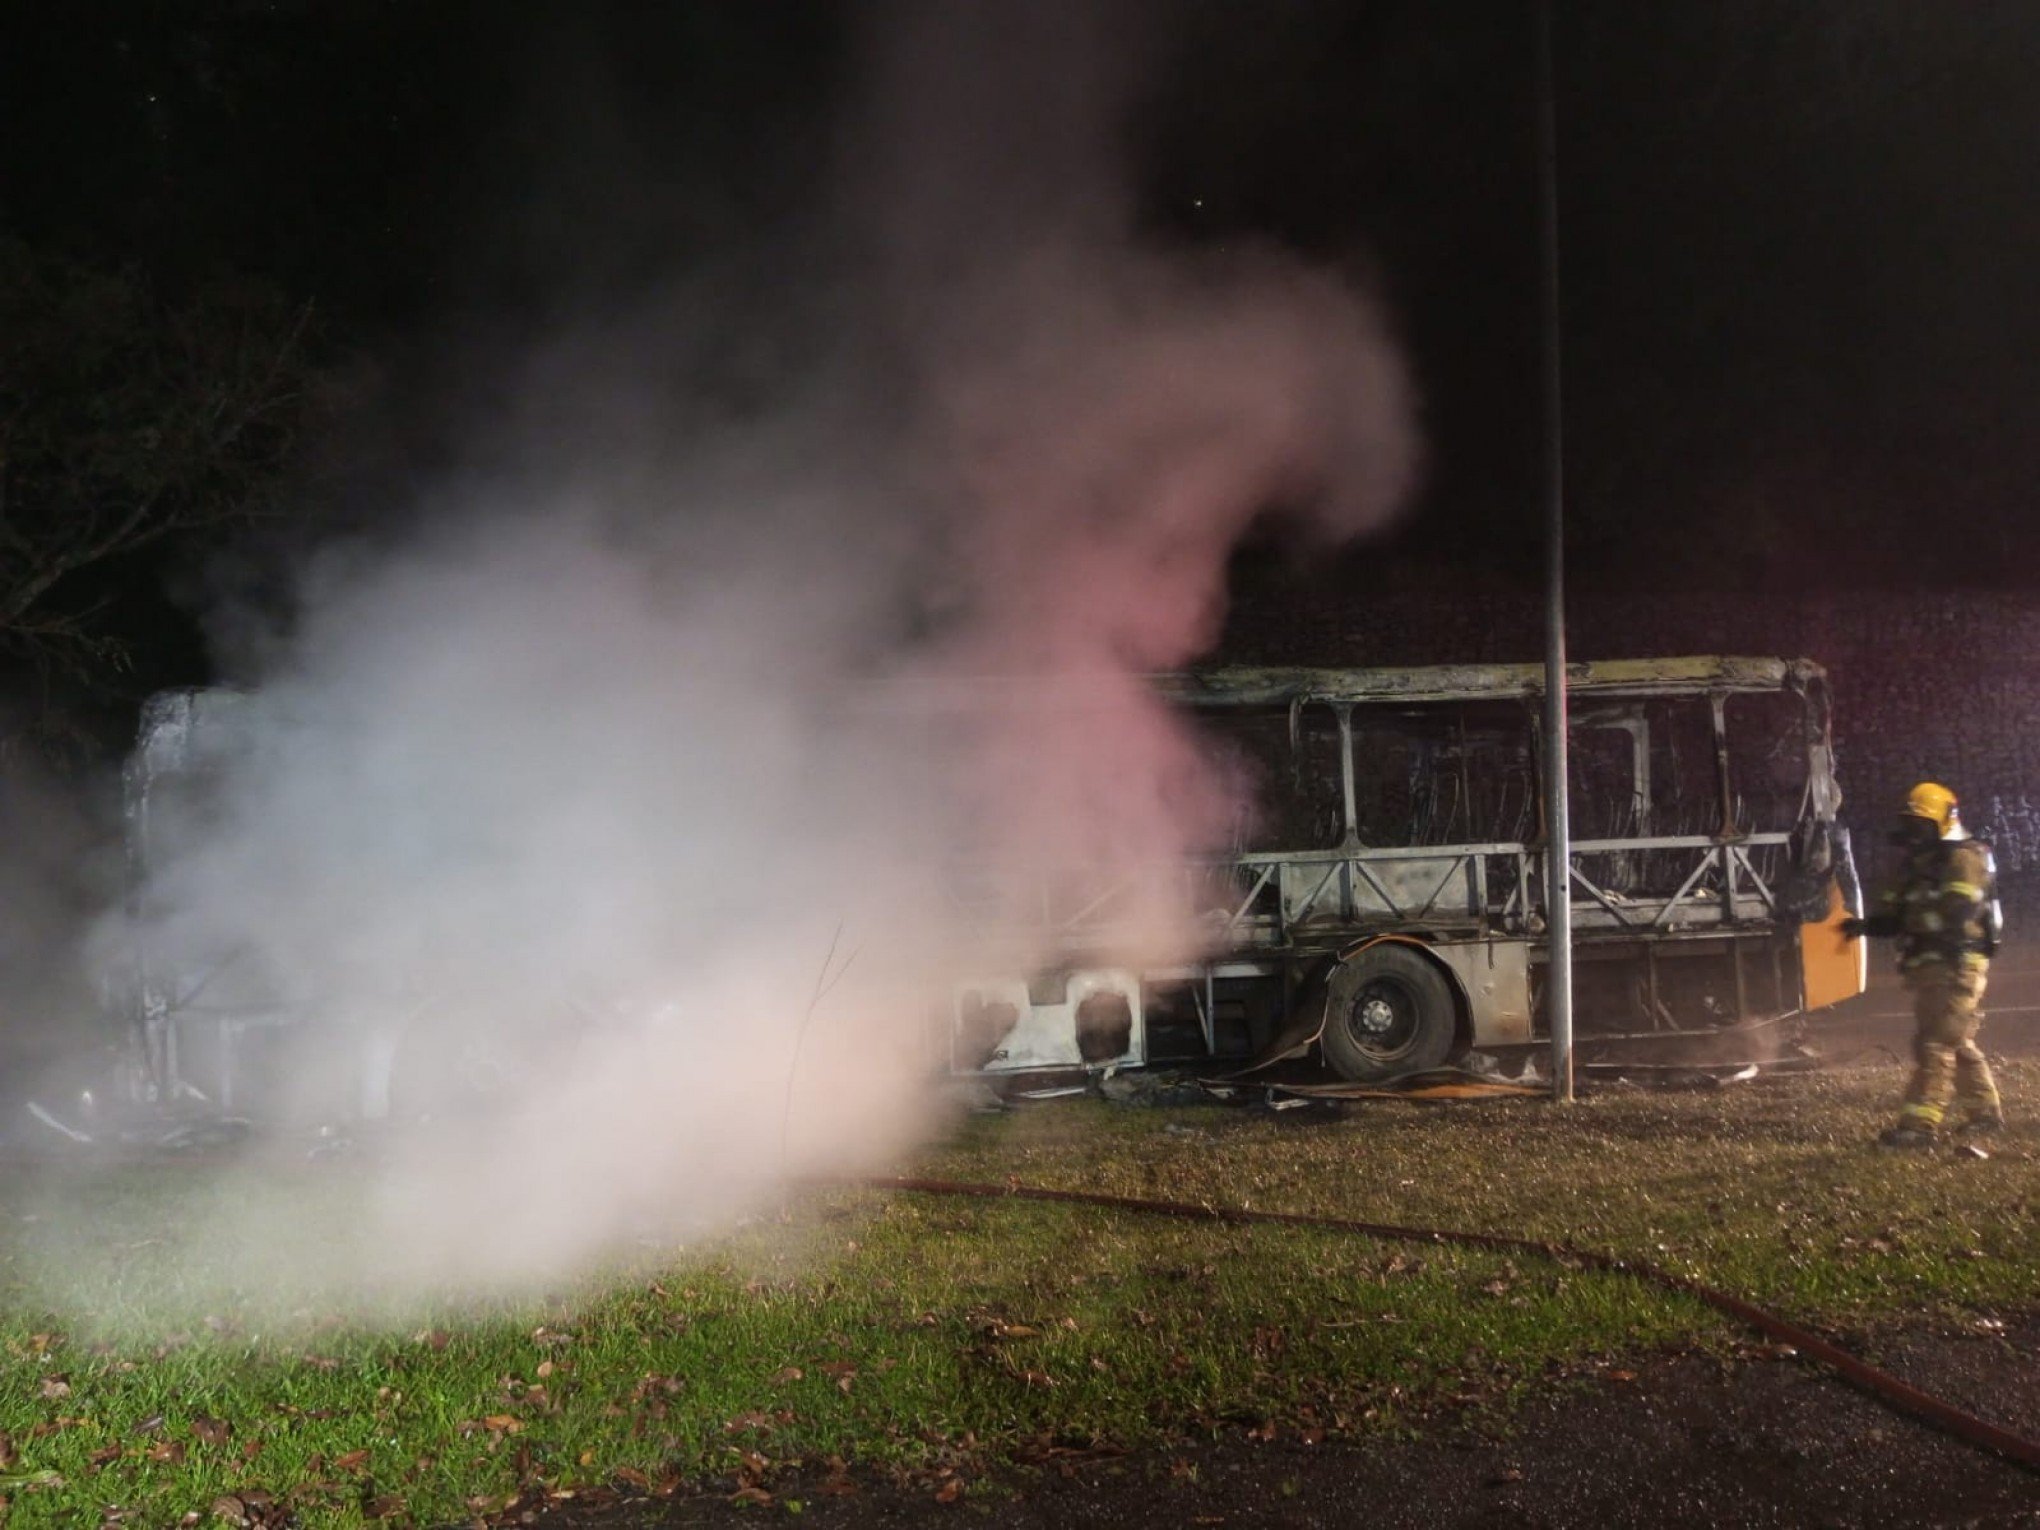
[752, 1469]
[249, 1506]
[497, 1426]
[632, 1477]
[1047, 1450]
[844, 1372]
[211, 1431]
[651, 1384]
[837, 1484]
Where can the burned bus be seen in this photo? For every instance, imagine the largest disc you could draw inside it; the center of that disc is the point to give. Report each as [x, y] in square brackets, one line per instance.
[1384, 909]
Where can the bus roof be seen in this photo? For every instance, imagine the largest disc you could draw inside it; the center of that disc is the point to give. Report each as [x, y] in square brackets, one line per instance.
[1697, 675]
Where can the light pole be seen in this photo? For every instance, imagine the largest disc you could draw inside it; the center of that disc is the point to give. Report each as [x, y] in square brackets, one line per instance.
[1557, 824]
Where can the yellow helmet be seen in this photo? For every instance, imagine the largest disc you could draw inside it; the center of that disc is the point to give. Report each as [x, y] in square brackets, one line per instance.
[1934, 802]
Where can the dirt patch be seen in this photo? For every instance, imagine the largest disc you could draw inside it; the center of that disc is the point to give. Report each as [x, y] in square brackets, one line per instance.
[1681, 1440]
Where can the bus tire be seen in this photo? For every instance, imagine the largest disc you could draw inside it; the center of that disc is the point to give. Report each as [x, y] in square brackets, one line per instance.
[449, 1067]
[1388, 1012]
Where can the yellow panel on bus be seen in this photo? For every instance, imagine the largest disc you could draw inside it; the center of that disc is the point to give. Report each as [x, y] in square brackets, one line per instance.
[1831, 967]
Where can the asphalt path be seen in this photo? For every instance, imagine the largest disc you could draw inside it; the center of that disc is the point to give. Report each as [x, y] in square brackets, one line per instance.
[1882, 1017]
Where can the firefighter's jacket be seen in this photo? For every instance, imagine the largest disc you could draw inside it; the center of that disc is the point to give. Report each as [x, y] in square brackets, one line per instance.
[1944, 907]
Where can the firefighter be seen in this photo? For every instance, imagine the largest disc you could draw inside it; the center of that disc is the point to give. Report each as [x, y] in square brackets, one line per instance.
[1943, 913]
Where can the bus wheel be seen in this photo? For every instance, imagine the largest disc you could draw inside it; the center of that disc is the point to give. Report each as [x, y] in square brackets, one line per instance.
[1388, 1011]
[445, 1067]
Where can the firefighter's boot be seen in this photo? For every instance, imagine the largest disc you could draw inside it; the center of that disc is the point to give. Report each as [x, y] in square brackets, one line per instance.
[1907, 1134]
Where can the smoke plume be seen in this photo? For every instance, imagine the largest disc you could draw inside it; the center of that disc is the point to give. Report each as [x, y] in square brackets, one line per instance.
[738, 736]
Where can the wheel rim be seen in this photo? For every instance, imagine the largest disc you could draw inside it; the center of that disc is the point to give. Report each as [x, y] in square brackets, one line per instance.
[481, 1070]
[1384, 1019]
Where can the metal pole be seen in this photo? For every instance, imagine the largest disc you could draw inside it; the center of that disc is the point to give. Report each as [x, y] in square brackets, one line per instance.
[1558, 827]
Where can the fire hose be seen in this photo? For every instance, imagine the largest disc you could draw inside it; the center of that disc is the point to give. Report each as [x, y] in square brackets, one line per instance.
[1880, 1384]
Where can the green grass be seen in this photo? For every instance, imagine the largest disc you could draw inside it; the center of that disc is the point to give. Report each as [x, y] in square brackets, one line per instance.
[925, 1336]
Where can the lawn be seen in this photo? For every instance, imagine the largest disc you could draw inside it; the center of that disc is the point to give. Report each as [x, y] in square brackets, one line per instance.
[853, 1330]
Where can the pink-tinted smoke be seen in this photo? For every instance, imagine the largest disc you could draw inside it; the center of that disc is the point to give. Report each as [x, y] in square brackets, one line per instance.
[642, 737]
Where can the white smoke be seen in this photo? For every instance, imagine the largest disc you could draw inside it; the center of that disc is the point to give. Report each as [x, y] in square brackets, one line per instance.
[56, 868]
[654, 748]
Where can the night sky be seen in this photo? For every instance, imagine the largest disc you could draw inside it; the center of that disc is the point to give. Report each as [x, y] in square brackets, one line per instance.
[1799, 235]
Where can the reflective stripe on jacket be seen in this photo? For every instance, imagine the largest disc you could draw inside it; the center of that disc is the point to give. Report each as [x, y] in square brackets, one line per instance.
[1943, 902]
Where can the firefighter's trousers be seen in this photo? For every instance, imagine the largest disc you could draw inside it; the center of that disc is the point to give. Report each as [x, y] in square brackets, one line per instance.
[1947, 1062]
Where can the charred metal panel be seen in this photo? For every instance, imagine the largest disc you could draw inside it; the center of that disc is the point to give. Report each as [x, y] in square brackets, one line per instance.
[1494, 977]
[1088, 1018]
[1363, 891]
[1683, 986]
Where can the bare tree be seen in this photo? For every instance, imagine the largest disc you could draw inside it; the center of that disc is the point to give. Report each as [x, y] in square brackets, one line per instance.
[128, 418]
